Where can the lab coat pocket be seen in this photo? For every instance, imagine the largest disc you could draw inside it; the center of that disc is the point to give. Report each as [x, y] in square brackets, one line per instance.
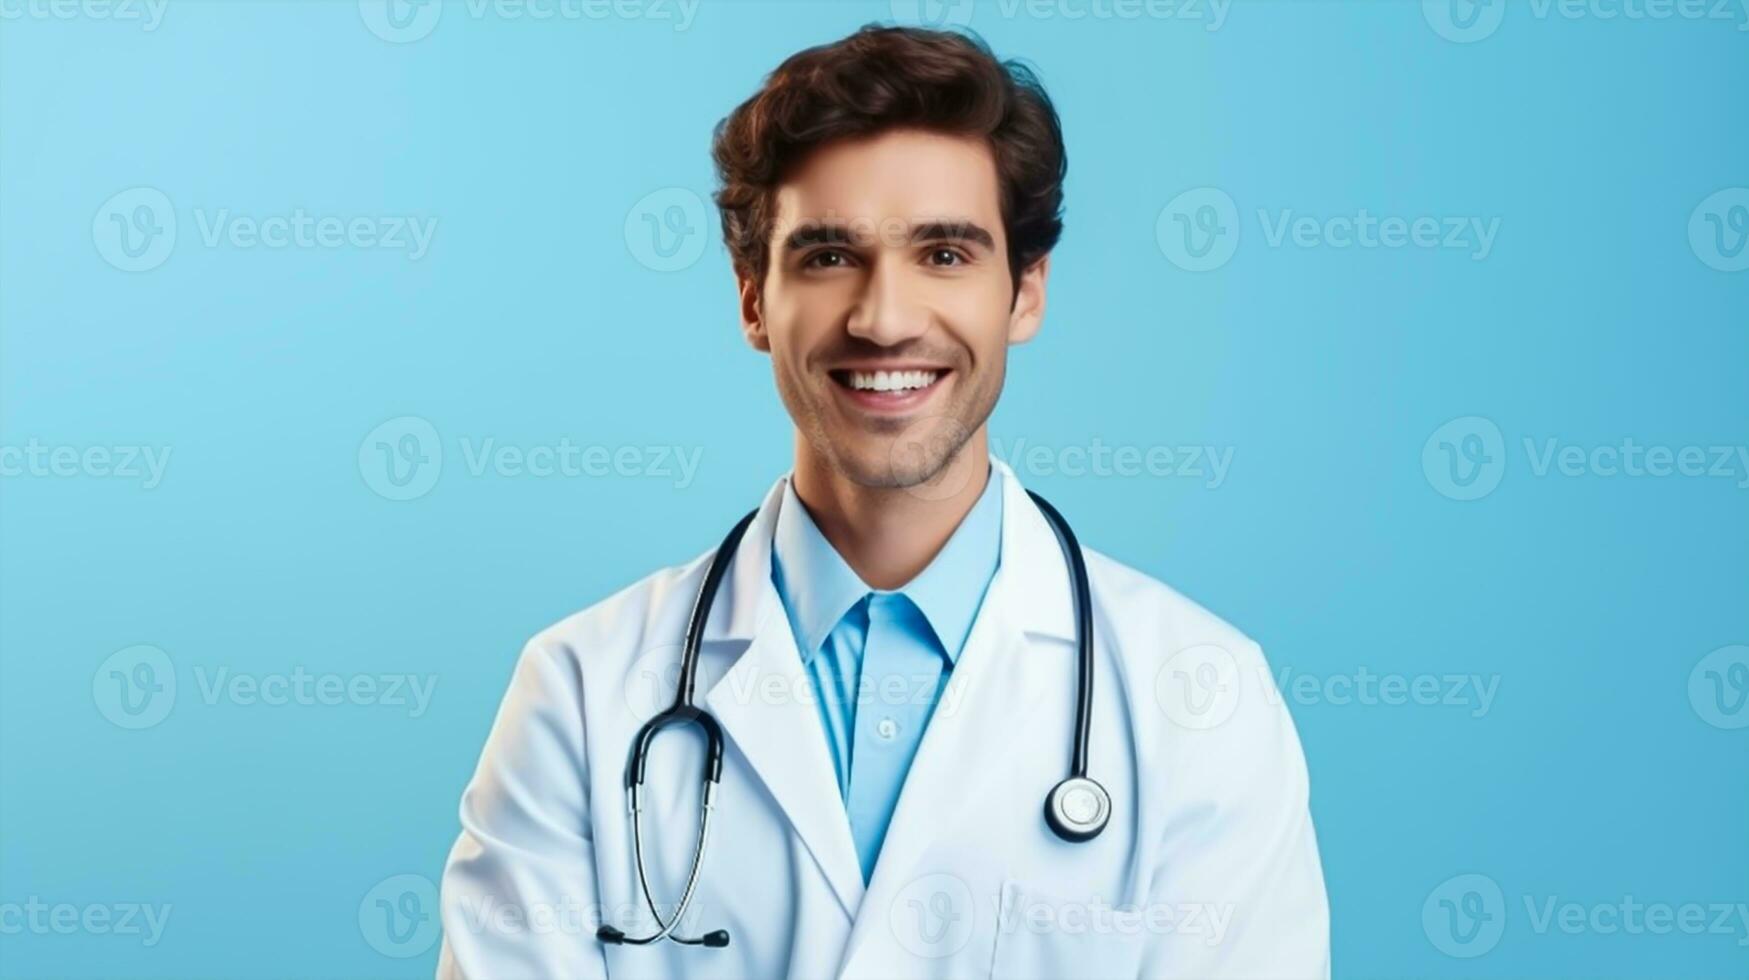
[1041, 935]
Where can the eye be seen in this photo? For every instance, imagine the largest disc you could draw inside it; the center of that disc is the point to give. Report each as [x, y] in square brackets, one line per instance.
[946, 257]
[826, 259]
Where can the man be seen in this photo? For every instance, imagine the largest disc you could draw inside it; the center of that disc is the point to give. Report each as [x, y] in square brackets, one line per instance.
[893, 655]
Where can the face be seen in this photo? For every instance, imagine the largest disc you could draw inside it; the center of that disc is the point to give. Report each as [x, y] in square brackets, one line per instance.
[888, 306]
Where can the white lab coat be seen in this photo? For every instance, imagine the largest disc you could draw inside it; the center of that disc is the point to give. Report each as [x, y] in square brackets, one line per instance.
[1208, 867]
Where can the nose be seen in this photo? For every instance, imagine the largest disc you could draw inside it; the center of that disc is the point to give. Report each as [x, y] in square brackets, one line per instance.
[886, 312]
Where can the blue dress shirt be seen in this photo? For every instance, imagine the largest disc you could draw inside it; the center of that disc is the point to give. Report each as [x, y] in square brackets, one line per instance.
[878, 658]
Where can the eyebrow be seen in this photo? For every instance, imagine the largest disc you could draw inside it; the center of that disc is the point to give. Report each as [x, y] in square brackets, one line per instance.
[837, 233]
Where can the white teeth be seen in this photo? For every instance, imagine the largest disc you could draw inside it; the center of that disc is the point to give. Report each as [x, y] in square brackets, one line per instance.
[892, 380]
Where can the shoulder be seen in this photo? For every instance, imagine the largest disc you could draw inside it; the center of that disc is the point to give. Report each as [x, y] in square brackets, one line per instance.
[1156, 619]
[631, 618]
[1201, 691]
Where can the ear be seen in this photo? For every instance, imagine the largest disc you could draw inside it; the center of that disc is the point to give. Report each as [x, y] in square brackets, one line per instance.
[752, 318]
[1029, 301]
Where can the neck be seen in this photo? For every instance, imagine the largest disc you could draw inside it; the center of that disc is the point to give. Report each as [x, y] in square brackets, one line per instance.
[888, 535]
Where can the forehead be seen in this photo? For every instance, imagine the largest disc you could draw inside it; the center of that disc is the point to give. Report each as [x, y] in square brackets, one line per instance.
[899, 174]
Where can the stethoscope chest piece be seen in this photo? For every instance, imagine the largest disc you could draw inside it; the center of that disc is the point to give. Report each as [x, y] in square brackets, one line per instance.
[1077, 809]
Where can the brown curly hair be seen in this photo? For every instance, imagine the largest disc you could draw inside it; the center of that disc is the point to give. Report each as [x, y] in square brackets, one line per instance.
[883, 78]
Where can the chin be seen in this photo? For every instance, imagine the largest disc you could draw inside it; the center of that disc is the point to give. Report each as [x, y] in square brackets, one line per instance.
[904, 460]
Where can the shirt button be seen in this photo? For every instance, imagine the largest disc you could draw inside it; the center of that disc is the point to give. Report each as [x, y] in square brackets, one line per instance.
[887, 728]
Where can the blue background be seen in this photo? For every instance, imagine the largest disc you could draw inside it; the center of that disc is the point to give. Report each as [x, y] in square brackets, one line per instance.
[1597, 772]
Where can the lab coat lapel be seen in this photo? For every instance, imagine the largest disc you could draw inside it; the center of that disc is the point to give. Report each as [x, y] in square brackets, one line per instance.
[764, 704]
[1001, 679]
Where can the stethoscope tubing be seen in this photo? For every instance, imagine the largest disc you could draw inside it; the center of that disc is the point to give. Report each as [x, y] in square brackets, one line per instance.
[1083, 634]
[684, 712]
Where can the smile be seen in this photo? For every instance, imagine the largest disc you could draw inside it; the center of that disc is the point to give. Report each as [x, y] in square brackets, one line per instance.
[888, 391]
[889, 380]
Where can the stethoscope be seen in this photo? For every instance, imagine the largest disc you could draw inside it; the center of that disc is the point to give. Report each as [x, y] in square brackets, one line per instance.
[1076, 809]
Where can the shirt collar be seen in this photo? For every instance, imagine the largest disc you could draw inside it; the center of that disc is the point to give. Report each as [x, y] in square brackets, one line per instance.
[948, 591]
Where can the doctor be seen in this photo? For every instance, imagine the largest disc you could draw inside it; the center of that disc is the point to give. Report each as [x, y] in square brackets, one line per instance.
[892, 652]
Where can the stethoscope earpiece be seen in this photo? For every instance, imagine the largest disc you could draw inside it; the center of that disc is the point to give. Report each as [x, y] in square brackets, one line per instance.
[715, 939]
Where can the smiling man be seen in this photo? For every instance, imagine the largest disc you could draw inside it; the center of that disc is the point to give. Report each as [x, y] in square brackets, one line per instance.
[899, 723]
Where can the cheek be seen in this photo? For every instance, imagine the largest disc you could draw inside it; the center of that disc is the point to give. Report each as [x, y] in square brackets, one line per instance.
[798, 318]
[977, 314]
